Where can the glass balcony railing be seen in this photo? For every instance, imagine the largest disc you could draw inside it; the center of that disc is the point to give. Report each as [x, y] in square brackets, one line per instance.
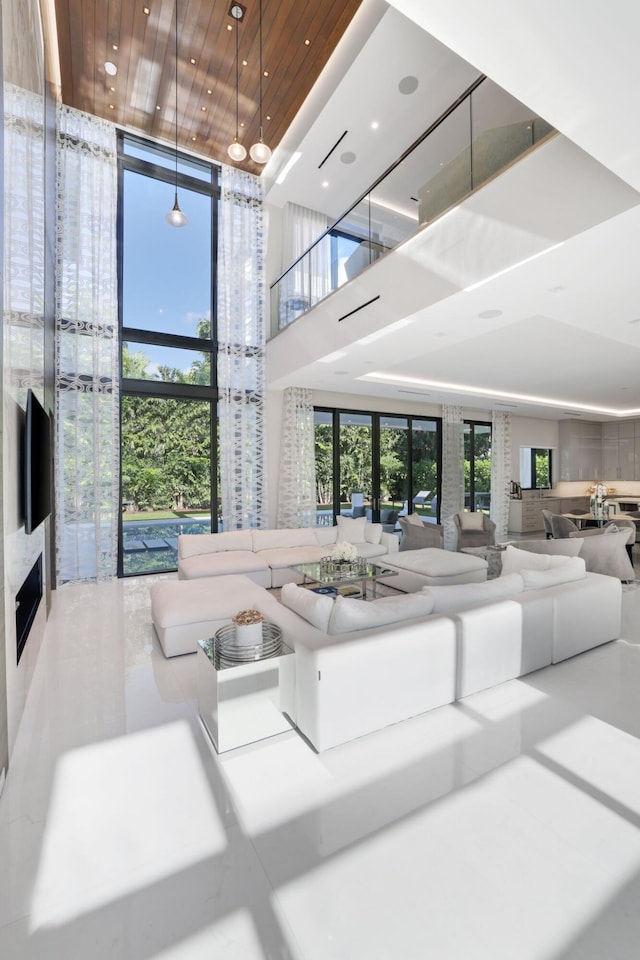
[483, 132]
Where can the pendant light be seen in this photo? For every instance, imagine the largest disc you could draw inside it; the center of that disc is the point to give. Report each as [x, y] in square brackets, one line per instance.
[175, 217]
[235, 150]
[260, 152]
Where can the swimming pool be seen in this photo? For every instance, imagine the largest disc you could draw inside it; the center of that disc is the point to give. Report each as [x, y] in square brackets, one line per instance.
[152, 545]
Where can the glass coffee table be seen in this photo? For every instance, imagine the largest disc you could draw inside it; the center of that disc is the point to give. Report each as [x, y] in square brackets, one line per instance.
[360, 577]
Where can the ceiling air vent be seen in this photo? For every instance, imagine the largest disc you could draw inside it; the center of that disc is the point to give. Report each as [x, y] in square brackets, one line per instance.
[338, 141]
[361, 307]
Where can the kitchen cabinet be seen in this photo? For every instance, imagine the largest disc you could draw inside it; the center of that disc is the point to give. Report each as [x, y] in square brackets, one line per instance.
[580, 444]
[621, 450]
[525, 516]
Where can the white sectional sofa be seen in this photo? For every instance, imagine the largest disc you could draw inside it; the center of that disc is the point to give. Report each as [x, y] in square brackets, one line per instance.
[266, 556]
[361, 666]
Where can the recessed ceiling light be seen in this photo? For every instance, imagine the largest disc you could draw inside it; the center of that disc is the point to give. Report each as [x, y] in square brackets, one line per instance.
[157, 108]
[192, 60]
[203, 109]
[114, 46]
[245, 63]
[112, 89]
[242, 123]
[265, 73]
[267, 117]
[307, 42]
[374, 125]
[110, 68]
[111, 106]
[325, 183]
[146, 11]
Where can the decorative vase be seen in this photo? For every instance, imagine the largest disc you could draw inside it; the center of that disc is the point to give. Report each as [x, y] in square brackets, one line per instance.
[248, 624]
[248, 634]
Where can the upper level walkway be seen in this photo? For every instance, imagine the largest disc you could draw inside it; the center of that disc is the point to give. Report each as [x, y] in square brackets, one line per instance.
[484, 131]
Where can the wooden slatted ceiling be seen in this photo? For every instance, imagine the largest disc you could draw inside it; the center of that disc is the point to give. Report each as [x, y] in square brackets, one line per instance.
[88, 31]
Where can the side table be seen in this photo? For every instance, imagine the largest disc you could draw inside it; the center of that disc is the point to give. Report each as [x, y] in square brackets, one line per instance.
[492, 553]
[239, 689]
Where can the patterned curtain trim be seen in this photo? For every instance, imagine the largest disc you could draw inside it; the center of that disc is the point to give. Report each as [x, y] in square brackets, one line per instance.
[87, 454]
[297, 473]
[500, 471]
[241, 347]
[452, 471]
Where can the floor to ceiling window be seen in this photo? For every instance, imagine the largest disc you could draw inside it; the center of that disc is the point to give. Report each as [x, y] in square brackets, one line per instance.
[477, 465]
[167, 316]
[376, 465]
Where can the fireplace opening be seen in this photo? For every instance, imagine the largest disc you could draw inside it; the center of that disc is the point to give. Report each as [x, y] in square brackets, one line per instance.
[27, 600]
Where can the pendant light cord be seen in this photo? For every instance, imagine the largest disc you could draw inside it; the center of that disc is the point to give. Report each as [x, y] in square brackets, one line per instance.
[176, 86]
[237, 72]
[261, 134]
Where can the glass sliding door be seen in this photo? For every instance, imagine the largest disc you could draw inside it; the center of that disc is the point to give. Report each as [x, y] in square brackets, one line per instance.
[324, 454]
[355, 444]
[477, 466]
[376, 465]
[425, 464]
[393, 456]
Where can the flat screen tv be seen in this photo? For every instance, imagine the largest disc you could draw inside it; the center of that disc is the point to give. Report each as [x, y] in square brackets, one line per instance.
[37, 464]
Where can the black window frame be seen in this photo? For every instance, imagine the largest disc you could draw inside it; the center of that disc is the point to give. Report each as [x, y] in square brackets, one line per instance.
[377, 415]
[158, 388]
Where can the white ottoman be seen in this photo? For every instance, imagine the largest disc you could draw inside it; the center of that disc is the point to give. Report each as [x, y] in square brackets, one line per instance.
[432, 566]
[185, 611]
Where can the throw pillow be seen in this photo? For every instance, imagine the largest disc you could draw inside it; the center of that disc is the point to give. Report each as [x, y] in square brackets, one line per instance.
[514, 560]
[458, 596]
[349, 615]
[352, 530]
[573, 569]
[373, 533]
[471, 521]
[316, 608]
[414, 518]
[608, 555]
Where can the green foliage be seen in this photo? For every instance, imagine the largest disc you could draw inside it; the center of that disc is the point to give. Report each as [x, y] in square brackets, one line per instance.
[542, 469]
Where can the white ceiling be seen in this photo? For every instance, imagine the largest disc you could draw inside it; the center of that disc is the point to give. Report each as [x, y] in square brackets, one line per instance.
[564, 331]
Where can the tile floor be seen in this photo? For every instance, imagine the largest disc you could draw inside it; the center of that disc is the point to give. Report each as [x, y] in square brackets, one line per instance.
[504, 826]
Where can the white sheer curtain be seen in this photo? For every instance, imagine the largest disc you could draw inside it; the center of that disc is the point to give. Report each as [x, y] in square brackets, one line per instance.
[23, 272]
[241, 346]
[297, 474]
[23, 305]
[87, 452]
[452, 471]
[500, 471]
[310, 279]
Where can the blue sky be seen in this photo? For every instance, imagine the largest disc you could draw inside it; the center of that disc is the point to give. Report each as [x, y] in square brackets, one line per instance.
[167, 271]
